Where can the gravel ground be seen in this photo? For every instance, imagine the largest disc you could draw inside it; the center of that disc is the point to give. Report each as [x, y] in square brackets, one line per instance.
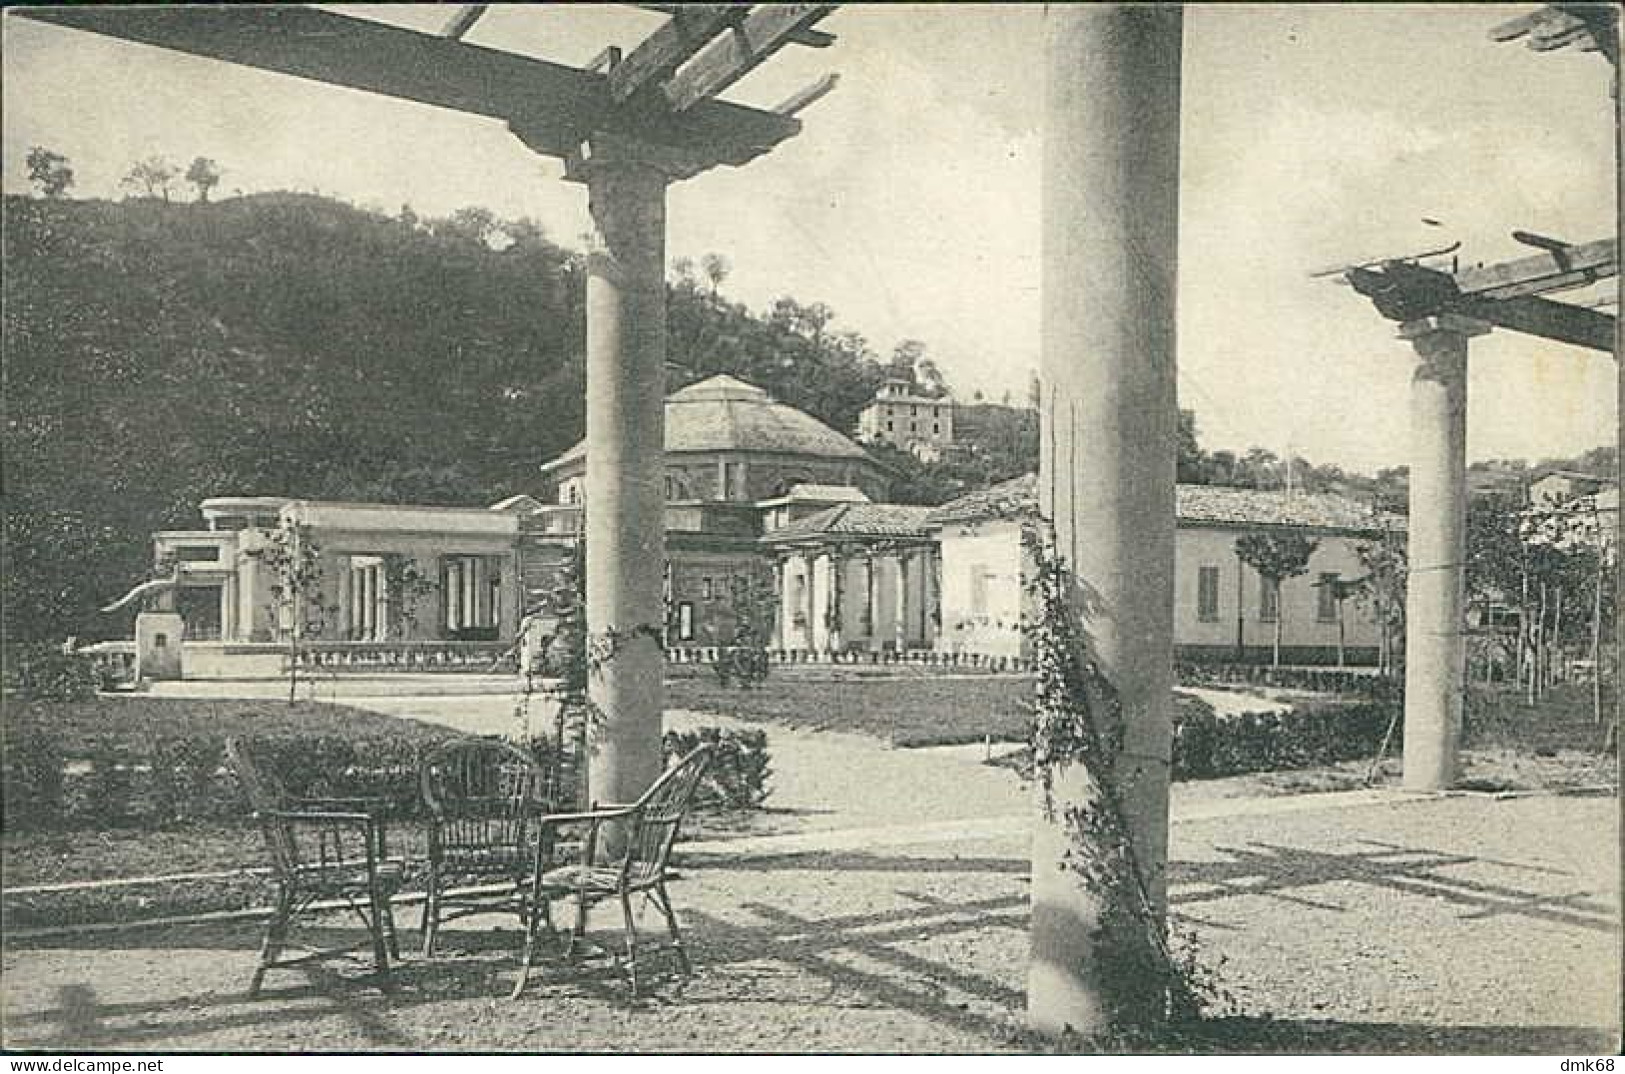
[1432, 925]
[1453, 925]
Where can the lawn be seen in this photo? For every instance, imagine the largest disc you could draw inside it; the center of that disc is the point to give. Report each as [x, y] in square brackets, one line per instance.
[903, 710]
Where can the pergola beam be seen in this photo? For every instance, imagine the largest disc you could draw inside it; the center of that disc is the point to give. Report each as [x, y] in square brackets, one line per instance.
[551, 106]
[808, 37]
[689, 29]
[1506, 294]
[458, 26]
[735, 54]
[1542, 317]
[1554, 270]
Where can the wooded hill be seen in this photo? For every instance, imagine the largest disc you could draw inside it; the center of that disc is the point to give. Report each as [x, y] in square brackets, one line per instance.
[157, 354]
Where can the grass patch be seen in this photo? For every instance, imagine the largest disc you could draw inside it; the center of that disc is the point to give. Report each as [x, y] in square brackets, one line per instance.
[903, 710]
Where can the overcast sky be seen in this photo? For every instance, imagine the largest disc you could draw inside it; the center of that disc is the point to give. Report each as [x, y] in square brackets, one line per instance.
[1313, 135]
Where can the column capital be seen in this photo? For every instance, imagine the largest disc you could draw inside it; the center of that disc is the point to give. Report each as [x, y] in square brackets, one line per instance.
[1444, 323]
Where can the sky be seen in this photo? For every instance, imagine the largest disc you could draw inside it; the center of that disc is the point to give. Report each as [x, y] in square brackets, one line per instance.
[1312, 135]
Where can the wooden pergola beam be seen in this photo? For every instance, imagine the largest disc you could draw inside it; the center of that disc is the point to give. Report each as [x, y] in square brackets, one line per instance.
[458, 26]
[809, 37]
[551, 106]
[1555, 270]
[1542, 317]
[689, 29]
[735, 54]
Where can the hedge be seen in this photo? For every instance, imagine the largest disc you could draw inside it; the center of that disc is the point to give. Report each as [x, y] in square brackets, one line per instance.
[1207, 746]
[1319, 680]
[43, 672]
[170, 782]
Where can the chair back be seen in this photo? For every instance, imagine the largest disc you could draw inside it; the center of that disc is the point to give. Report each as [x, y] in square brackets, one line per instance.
[482, 794]
[266, 796]
[658, 815]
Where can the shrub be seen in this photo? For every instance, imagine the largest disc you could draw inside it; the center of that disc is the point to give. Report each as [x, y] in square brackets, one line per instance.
[1319, 680]
[1207, 746]
[737, 777]
[43, 672]
[32, 781]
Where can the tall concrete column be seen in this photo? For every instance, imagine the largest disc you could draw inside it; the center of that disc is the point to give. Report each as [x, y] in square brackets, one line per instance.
[1435, 655]
[1110, 251]
[624, 523]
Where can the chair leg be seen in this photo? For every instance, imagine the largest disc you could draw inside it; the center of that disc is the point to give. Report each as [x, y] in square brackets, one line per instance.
[631, 942]
[276, 933]
[380, 946]
[663, 900]
[534, 917]
[580, 928]
[389, 929]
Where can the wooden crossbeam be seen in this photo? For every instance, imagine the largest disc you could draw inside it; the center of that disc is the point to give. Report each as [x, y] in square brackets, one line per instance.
[688, 30]
[806, 96]
[458, 25]
[809, 37]
[1576, 325]
[552, 106]
[735, 54]
[1554, 270]
[1506, 295]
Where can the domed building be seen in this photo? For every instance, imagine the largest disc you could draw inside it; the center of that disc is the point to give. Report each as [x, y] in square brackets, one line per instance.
[732, 442]
[740, 465]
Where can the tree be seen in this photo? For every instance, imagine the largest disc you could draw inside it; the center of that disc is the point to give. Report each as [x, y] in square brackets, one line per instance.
[1277, 556]
[1383, 588]
[152, 177]
[204, 175]
[294, 561]
[49, 170]
[716, 269]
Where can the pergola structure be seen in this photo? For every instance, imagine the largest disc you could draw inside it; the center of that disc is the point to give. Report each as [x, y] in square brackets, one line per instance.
[626, 126]
[1439, 310]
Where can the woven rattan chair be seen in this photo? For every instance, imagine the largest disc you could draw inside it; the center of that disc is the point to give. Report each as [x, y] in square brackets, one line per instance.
[323, 851]
[483, 797]
[644, 832]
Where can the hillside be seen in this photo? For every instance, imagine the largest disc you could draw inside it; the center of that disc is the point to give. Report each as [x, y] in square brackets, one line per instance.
[160, 353]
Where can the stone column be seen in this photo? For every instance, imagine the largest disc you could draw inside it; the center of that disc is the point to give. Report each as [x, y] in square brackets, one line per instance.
[900, 604]
[1110, 194]
[1436, 549]
[624, 501]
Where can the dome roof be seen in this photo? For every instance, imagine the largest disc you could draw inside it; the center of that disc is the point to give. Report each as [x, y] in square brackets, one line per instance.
[723, 413]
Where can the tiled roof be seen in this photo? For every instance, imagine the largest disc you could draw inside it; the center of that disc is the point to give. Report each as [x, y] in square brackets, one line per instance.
[827, 493]
[723, 413]
[1194, 505]
[857, 520]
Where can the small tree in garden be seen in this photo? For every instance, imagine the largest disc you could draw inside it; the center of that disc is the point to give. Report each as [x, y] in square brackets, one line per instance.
[1383, 589]
[1277, 556]
[295, 563]
[49, 171]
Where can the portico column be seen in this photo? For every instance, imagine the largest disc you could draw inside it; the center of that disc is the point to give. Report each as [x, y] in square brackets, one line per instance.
[624, 523]
[1436, 549]
[900, 603]
[1110, 191]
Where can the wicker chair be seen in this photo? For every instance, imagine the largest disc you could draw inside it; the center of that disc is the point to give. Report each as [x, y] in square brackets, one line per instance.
[644, 832]
[322, 850]
[483, 797]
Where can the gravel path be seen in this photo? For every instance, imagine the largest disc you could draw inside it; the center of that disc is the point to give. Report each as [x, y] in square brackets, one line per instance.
[1451, 925]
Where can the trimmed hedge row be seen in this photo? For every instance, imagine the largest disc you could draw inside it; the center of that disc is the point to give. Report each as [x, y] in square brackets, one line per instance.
[172, 782]
[1207, 746]
[1319, 680]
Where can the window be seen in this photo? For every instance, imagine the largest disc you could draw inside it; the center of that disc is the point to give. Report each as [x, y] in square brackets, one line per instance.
[197, 553]
[1207, 594]
[936, 428]
[888, 427]
[1269, 599]
[707, 590]
[913, 411]
[1326, 598]
[685, 621]
[469, 587]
